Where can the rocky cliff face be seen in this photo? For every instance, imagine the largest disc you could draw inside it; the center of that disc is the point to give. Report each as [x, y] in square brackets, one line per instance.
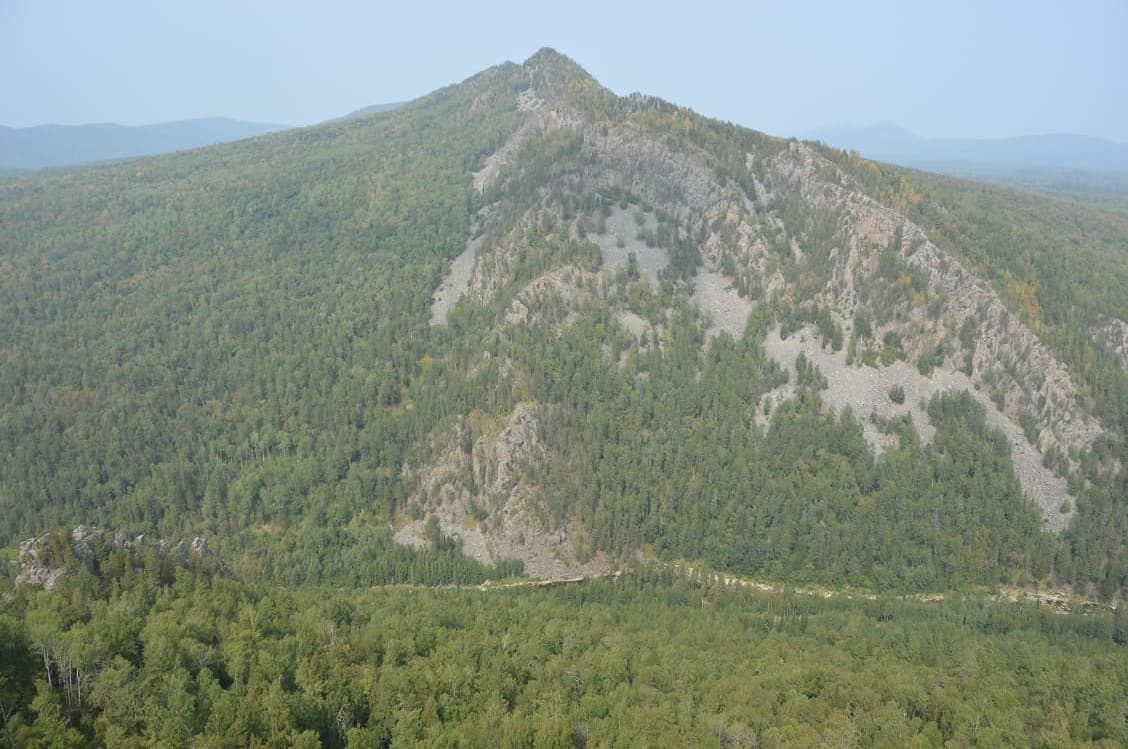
[44, 561]
[1006, 356]
[481, 493]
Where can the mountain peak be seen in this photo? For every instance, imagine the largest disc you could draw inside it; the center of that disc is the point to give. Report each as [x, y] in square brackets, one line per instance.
[547, 56]
[550, 69]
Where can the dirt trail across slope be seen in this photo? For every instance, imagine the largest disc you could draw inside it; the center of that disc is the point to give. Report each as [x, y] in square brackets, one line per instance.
[1056, 601]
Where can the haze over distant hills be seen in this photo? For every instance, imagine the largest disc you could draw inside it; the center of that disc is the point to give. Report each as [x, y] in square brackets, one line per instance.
[891, 143]
[1078, 166]
[64, 145]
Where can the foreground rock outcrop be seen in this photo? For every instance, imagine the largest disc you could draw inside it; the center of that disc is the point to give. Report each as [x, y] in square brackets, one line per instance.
[47, 559]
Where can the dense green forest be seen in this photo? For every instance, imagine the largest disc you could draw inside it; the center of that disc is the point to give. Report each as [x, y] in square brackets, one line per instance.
[155, 652]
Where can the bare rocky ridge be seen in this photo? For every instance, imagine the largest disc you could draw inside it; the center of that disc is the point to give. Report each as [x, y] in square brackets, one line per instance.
[540, 119]
[1007, 355]
[1005, 351]
[674, 181]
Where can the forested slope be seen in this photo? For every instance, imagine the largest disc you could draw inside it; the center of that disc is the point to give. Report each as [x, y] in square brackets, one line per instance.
[211, 341]
[156, 652]
[237, 343]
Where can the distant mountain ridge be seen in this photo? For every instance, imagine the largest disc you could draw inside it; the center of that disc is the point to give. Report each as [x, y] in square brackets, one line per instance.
[45, 146]
[887, 142]
[1080, 168]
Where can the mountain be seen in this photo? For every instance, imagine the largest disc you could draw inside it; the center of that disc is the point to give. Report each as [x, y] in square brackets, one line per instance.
[1058, 150]
[65, 145]
[1089, 169]
[529, 415]
[527, 320]
[884, 138]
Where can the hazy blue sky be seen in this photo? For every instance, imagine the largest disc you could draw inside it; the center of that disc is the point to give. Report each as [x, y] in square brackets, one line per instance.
[950, 68]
